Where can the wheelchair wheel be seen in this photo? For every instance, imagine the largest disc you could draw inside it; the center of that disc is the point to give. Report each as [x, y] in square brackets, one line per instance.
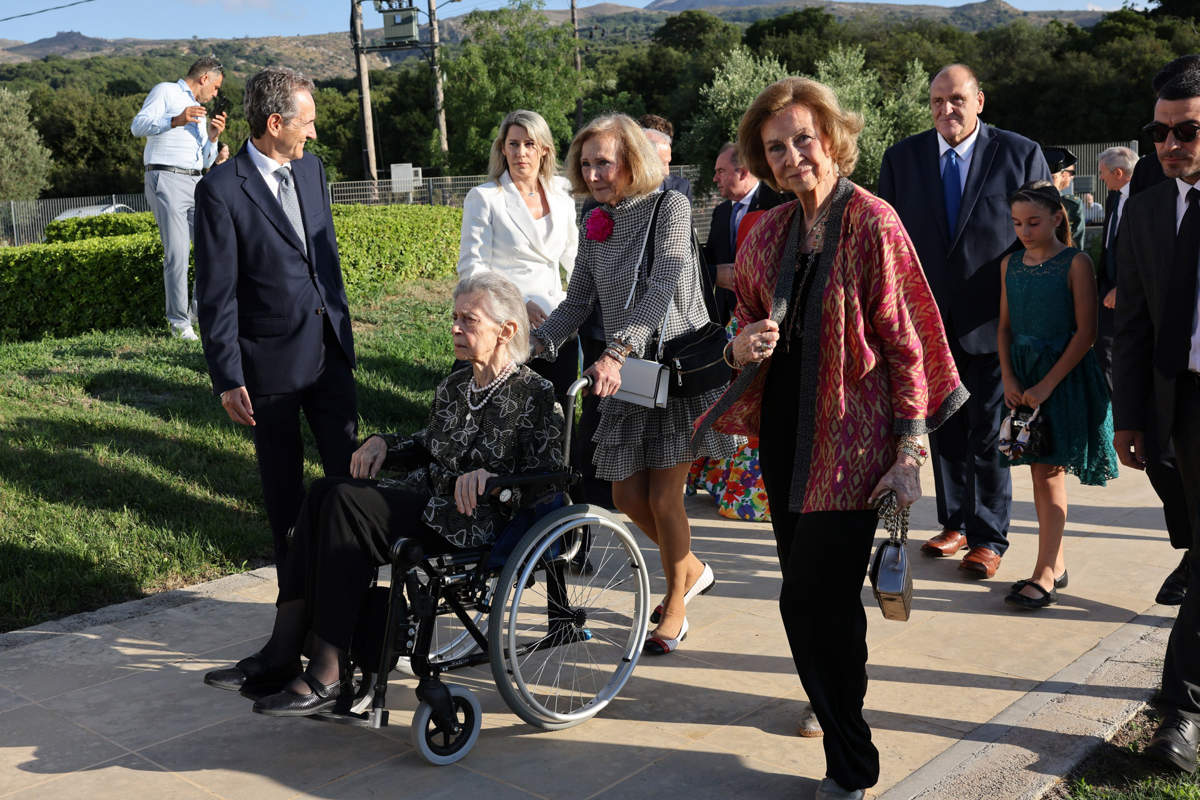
[441, 747]
[564, 641]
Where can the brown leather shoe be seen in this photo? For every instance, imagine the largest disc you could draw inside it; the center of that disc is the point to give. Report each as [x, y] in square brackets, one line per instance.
[946, 543]
[981, 562]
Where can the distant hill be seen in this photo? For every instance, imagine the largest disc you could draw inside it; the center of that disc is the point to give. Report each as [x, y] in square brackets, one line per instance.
[328, 55]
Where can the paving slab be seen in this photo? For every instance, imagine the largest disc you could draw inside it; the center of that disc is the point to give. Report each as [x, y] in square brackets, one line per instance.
[967, 699]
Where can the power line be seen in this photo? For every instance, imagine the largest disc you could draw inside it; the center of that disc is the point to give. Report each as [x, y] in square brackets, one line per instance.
[44, 10]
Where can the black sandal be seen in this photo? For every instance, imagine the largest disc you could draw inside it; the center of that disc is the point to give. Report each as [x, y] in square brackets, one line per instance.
[1015, 598]
[1059, 583]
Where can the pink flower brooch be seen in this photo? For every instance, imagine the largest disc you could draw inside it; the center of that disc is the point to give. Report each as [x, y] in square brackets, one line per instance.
[599, 225]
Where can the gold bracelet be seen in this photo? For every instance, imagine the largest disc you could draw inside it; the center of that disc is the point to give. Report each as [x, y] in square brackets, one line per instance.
[728, 356]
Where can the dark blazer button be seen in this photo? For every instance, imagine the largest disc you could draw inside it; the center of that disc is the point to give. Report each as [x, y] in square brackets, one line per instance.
[320, 311]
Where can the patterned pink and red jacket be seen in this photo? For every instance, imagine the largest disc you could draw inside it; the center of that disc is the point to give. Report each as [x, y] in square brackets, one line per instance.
[878, 351]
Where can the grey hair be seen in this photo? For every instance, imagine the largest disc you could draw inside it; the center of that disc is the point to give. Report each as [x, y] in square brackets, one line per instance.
[655, 135]
[734, 156]
[1118, 158]
[503, 303]
[536, 127]
[204, 65]
[273, 91]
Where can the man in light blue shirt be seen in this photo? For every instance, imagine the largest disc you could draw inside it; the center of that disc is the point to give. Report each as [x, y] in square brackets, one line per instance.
[179, 145]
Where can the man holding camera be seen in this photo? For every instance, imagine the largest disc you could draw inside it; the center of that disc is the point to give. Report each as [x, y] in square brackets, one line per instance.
[179, 146]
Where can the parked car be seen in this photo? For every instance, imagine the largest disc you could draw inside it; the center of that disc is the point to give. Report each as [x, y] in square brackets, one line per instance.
[92, 211]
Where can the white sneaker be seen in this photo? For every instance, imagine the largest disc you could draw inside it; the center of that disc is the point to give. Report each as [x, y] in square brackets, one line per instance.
[185, 332]
[829, 789]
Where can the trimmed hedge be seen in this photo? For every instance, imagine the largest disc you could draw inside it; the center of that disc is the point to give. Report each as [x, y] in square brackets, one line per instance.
[106, 282]
[79, 228]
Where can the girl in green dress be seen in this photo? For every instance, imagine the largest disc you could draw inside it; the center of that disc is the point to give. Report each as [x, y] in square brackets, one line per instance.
[1047, 327]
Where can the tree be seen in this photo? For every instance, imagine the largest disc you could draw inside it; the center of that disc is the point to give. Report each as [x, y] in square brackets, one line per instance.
[697, 32]
[888, 114]
[25, 162]
[511, 58]
[734, 86]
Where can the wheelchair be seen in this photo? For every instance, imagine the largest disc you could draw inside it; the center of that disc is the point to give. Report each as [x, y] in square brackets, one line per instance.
[557, 606]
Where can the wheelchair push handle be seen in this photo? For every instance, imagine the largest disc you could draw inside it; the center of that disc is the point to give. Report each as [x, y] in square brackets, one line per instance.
[573, 392]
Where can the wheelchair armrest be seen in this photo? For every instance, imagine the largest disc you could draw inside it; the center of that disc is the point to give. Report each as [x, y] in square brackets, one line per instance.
[531, 483]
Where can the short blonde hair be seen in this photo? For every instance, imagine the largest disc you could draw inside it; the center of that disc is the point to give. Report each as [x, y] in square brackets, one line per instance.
[839, 128]
[640, 156]
[503, 303]
[535, 126]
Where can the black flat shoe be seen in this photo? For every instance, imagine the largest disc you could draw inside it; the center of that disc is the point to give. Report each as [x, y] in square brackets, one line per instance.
[1059, 583]
[289, 704]
[1015, 598]
[251, 674]
[1175, 743]
[1174, 588]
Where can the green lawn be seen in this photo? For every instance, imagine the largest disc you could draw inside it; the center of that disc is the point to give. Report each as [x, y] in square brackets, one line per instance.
[120, 474]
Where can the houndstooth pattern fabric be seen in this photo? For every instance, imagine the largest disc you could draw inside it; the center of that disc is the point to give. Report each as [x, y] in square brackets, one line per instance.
[631, 438]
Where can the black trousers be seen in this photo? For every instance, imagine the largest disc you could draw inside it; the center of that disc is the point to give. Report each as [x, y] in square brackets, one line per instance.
[824, 558]
[1181, 669]
[346, 529]
[1161, 468]
[330, 405]
[973, 486]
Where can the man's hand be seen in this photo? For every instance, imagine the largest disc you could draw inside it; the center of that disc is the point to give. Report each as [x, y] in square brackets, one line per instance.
[1110, 299]
[725, 276]
[236, 402]
[1131, 448]
[216, 126]
[366, 460]
[189, 115]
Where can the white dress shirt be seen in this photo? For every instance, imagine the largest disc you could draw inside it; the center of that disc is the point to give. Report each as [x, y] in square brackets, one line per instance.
[266, 167]
[965, 150]
[1180, 210]
[186, 146]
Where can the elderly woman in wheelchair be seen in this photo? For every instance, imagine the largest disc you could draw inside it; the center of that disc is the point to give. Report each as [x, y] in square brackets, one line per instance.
[460, 528]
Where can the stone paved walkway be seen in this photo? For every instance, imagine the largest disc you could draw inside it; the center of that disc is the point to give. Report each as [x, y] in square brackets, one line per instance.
[966, 699]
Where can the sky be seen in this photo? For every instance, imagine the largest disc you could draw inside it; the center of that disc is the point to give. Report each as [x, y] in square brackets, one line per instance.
[182, 19]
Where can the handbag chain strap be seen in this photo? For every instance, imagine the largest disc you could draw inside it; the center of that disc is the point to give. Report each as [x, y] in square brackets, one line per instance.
[895, 518]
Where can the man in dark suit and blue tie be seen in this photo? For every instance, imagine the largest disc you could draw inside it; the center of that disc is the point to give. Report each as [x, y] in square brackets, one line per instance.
[273, 313]
[743, 193]
[1156, 373]
[950, 186]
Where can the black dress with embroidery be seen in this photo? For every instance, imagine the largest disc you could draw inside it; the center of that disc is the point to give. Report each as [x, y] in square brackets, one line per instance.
[519, 429]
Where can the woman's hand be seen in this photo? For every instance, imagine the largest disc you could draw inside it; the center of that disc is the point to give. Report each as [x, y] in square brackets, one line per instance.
[904, 478]
[536, 315]
[468, 488]
[606, 376]
[366, 460]
[756, 342]
[1013, 392]
[1035, 395]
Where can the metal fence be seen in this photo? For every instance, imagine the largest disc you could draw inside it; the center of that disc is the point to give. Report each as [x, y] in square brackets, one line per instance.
[1087, 179]
[24, 221]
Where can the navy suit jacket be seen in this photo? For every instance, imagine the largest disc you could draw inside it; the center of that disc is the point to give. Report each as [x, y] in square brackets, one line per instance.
[964, 272]
[262, 300]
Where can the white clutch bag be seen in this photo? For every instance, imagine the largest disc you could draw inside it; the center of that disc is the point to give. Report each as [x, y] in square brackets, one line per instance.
[644, 383]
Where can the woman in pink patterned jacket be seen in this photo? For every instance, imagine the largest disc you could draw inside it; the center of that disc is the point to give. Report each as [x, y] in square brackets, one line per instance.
[844, 360]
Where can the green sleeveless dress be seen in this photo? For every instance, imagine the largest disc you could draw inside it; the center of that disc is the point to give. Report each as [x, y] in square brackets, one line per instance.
[1041, 310]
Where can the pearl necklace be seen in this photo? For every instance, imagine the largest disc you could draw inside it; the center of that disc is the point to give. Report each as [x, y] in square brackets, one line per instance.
[474, 389]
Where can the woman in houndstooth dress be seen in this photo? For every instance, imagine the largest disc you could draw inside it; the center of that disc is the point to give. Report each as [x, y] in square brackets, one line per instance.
[644, 451]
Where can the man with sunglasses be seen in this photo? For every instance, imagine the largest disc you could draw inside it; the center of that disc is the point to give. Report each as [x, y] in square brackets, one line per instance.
[1156, 373]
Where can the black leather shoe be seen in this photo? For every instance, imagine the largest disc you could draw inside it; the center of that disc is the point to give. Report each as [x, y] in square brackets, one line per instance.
[289, 704]
[1175, 586]
[1175, 743]
[253, 673]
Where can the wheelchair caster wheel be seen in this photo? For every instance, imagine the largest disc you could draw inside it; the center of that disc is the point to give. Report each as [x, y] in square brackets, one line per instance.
[441, 747]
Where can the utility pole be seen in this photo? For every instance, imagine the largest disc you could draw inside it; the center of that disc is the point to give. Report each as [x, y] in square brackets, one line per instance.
[364, 89]
[439, 99]
[578, 68]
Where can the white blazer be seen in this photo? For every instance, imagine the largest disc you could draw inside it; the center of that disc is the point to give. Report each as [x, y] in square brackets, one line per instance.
[499, 233]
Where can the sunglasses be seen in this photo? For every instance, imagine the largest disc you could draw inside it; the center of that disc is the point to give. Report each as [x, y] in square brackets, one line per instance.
[1184, 131]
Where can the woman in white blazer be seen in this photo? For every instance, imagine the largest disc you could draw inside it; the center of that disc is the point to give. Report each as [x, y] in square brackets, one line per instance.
[521, 224]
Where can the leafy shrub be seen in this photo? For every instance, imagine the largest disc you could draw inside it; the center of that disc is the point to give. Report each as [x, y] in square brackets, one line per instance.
[69, 287]
[73, 230]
